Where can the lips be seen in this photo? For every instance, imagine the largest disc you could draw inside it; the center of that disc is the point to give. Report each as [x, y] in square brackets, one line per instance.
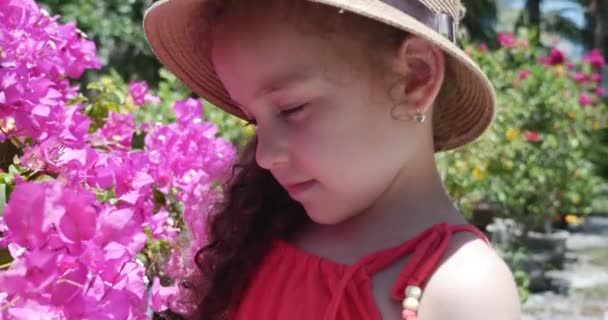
[298, 188]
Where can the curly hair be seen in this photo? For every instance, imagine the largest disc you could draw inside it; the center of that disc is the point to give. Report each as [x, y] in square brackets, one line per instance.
[256, 209]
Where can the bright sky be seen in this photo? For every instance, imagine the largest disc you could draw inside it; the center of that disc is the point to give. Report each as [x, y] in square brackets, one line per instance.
[509, 9]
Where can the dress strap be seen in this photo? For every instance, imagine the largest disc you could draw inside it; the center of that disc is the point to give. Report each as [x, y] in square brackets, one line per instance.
[426, 257]
[427, 249]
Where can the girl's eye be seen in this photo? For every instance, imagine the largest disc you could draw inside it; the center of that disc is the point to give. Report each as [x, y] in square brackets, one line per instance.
[289, 112]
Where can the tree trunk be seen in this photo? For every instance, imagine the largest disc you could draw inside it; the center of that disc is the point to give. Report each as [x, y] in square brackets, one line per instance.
[588, 30]
[600, 40]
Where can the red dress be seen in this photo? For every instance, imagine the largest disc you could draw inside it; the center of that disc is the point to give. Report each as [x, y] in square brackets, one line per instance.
[292, 284]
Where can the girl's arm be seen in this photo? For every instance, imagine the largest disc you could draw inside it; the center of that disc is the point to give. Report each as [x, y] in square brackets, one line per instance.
[474, 283]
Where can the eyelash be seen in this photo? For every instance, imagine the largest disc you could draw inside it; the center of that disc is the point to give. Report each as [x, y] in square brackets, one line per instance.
[289, 112]
[282, 113]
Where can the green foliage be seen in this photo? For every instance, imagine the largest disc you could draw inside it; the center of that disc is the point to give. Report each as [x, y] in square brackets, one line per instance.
[515, 256]
[230, 127]
[480, 20]
[532, 180]
[115, 26]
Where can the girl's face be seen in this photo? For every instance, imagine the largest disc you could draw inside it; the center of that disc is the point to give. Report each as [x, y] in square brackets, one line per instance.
[323, 116]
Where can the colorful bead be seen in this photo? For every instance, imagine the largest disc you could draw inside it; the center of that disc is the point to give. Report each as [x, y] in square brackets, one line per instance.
[408, 314]
[413, 292]
[410, 303]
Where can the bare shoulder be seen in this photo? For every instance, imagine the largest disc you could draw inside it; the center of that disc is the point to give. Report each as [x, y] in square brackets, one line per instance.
[472, 282]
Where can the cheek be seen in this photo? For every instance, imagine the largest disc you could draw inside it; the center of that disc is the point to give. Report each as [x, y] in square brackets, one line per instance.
[348, 158]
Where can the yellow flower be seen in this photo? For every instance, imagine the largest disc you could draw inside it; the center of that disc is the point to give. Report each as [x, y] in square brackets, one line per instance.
[559, 70]
[573, 220]
[507, 164]
[479, 172]
[595, 125]
[511, 133]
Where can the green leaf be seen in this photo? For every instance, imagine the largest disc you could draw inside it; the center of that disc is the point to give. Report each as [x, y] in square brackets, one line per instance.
[2, 198]
[76, 100]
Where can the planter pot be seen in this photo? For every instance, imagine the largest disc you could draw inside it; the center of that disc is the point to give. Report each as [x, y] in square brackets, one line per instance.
[552, 245]
[504, 231]
[483, 215]
[555, 241]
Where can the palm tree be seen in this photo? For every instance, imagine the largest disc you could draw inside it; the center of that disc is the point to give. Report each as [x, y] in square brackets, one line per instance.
[480, 20]
[551, 21]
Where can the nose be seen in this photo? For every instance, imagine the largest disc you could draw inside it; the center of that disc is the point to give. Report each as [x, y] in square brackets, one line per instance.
[271, 150]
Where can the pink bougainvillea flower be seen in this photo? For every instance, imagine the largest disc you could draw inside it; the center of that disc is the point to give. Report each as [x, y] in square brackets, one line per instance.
[38, 56]
[507, 40]
[524, 74]
[117, 132]
[531, 136]
[594, 58]
[30, 274]
[72, 283]
[34, 207]
[188, 110]
[600, 91]
[596, 77]
[483, 47]
[585, 100]
[25, 216]
[138, 90]
[79, 220]
[162, 296]
[74, 255]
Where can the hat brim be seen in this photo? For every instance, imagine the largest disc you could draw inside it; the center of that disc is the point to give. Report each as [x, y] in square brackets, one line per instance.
[465, 106]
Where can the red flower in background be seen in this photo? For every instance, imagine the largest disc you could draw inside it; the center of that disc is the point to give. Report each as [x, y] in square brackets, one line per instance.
[585, 100]
[594, 58]
[507, 40]
[579, 77]
[555, 57]
[532, 136]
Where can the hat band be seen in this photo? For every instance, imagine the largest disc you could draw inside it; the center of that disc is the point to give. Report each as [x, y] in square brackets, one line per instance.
[441, 22]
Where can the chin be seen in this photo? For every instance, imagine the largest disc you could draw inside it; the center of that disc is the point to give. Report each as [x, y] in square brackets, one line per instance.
[325, 217]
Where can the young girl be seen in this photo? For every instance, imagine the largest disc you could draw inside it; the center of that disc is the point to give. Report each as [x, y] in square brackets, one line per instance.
[336, 209]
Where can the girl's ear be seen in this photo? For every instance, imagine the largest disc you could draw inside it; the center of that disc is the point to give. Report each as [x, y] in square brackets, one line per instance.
[422, 65]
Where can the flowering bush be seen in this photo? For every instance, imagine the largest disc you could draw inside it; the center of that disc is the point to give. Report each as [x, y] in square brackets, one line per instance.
[106, 206]
[534, 161]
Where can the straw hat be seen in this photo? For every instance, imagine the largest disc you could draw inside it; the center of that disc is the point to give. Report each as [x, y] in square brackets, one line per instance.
[465, 105]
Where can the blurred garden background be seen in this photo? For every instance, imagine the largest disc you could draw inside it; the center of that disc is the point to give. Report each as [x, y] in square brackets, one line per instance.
[89, 119]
